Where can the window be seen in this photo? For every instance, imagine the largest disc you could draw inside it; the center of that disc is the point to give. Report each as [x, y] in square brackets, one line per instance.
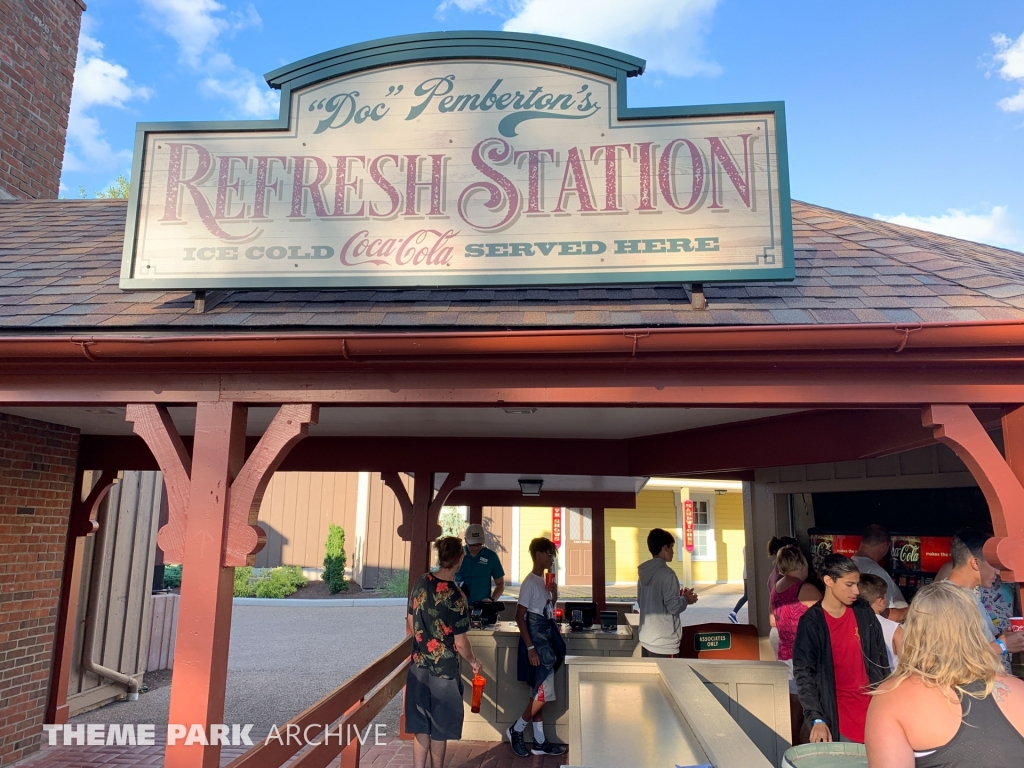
[703, 528]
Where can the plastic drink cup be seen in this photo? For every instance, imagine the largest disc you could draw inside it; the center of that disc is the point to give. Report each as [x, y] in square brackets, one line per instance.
[549, 580]
[478, 692]
[1017, 624]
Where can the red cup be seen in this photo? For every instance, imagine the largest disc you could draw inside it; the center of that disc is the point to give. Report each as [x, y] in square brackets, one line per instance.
[1017, 624]
[549, 580]
[478, 692]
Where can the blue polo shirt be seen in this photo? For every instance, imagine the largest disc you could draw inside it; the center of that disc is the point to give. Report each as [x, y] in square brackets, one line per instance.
[476, 573]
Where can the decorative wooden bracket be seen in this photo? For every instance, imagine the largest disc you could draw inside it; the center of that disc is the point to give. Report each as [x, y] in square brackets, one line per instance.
[83, 510]
[958, 427]
[245, 538]
[451, 482]
[394, 481]
[153, 424]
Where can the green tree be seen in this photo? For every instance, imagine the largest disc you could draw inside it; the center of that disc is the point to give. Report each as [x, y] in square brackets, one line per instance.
[452, 522]
[334, 560]
[119, 190]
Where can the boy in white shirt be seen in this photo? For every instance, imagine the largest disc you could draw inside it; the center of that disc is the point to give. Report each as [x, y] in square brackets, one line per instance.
[541, 651]
[874, 590]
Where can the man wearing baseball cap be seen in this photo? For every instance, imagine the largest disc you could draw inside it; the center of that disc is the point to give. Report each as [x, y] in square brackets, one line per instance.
[479, 566]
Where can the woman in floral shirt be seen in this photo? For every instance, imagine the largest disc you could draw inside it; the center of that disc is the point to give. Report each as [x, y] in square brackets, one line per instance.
[438, 618]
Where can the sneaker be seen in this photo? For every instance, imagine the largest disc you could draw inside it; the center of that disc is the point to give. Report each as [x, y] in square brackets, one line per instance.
[518, 742]
[547, 748]
[733, 617]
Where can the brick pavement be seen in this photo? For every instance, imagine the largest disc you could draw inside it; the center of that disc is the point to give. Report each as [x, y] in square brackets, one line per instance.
[396, 754]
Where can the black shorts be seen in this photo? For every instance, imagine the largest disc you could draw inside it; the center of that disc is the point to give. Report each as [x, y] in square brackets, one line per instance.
[433, 705]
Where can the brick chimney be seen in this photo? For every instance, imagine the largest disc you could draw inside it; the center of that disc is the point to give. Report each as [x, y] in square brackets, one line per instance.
[38, 46]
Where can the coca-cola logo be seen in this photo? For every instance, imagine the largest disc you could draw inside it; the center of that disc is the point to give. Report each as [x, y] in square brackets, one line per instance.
[909, 553]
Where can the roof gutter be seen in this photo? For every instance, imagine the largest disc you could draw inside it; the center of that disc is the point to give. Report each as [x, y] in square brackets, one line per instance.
[894, 337]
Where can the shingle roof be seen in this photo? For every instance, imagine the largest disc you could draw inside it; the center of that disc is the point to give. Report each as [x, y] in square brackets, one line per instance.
[60, 260]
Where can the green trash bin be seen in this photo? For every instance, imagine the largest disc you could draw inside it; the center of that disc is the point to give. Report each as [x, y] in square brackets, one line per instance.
[826, 755]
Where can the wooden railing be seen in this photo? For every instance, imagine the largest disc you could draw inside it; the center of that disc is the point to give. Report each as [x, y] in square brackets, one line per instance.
[349, 708]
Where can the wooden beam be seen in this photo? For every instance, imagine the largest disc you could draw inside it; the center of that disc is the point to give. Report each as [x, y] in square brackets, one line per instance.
[833, 381]
[611, 500]
[959, 428]
[810, 437]
[452, 481]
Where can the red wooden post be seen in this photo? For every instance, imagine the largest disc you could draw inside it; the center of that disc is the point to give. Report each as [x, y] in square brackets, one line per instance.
[1013, 448]
[597, 555]
[958, 427]
[476, 514]
[204, 614]
[212, 499]
[351, 752]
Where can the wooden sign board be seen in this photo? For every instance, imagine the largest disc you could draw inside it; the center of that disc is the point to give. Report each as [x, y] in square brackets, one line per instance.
[461, 159]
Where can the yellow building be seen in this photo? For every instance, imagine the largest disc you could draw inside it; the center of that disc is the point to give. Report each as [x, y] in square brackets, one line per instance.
[719, 536]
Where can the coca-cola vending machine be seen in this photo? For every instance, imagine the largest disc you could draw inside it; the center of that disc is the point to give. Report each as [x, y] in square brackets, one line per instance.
[916, 559]
[913, 560]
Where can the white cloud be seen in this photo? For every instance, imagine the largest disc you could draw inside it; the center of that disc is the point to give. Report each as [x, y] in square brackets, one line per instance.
[98, 83]
[997, 227]
[1010, 55]
[668, 33]
[198, 27]
[465, 5]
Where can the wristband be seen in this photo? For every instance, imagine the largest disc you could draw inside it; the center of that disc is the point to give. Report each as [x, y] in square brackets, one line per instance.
[530, 647]
[819, 720]
[1002, 645]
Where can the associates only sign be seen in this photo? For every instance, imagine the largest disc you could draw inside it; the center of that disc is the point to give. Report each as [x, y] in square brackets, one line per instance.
[472, 159]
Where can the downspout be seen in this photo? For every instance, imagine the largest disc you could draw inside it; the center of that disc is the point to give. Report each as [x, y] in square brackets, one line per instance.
[94, 616]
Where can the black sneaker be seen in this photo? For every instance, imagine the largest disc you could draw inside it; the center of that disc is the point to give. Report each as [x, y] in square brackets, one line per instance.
[518, 742]
[547, 748]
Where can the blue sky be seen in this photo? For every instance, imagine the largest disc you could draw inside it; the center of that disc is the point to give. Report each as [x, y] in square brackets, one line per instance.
[912, 111]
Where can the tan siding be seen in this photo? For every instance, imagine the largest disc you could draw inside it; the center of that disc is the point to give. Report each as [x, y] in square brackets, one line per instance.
[729, 537]
[626, 533]
[297, 510]
[498, 525]
[533, 522]
[384, 550]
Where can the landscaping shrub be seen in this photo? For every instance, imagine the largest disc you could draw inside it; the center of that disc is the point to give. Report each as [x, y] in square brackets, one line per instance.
[334, 560]
[172, 576]
[395, 583]
[243, 582]
[279, 582]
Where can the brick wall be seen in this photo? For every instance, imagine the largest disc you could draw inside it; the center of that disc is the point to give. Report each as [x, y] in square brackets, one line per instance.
[38, 46]
[37, 472]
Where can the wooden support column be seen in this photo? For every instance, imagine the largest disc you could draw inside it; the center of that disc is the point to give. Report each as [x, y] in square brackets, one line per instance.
[81, 523]
[958, 427]
[419, 515]
[476, 514]
[597, 555]
[210, 498]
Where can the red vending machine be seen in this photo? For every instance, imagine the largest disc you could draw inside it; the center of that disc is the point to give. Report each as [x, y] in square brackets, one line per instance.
[914, 559]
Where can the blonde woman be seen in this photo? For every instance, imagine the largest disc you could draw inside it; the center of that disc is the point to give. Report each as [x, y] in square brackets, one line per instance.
[948, 705]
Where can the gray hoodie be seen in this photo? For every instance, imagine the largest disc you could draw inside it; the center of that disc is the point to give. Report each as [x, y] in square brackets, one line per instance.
[657, 594]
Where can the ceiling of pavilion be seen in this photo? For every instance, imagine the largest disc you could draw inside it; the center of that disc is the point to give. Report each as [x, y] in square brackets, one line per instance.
[60, 261]
[594, 423]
